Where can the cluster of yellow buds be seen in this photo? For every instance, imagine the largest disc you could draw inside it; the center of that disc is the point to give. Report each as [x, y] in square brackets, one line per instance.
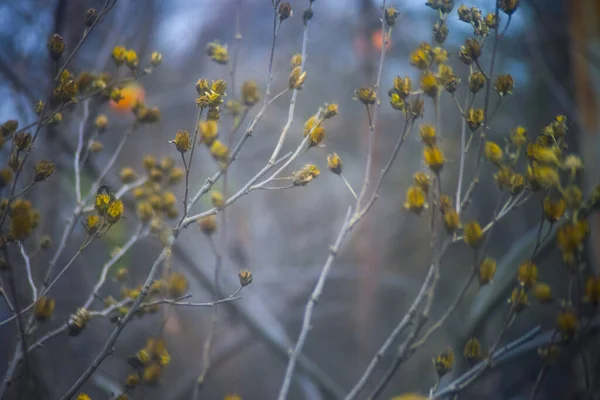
[150, 362]
[210, 96]
[250, 93]
[217, 52]
[144, 114]
[177, 284]
[108, 210]
[305, 174]
[23, 219]
[66, 88]
[313, 127]
[122, 55]
[297, 76]
[155, 199]
[482, 24]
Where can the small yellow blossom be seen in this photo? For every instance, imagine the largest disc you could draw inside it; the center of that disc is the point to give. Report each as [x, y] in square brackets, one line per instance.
[44, 308]
[542, 292]
[182, 141]
[334, 163]
[518, 136]
[570, 239]
[390, 16]
[475, 118]
[444, 362]
[217, 199]
[43, 170]
[118, 55]
[176, 175]
[422, 180]
[554, 210]
[218, 53]
[127, 175]
[245, 277]
[209, 130]
[440, 55]
[102, 202]
[429, 84]
[177, 284]
[415, 200]
[316, 136]
[297, 78]
[476, 81]
[519, 299]
[156, 59]
[427, 133]
[132, 381]
[152, 374]
[451, 221]
[487, 270]
[516, 184]
[473, 234]
[114, 212]
[403, 86]
[208, 224]
[567, 321]
[92, 224]
[472, 351]
[219, 151]
[331, 110]
[504, 85]
[305, 175]
[21, 219]
[296, 61]
[131, 59]
[493, 153]
[101, 122]
[434, 158]
[366, 95]
[527, 274]
[420, 59]
[169, 199]
[250, 93]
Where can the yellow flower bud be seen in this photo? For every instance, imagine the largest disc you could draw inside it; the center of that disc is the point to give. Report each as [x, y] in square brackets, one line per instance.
[487, 270]
[527, 274]
[415, 200]
[334, 163]
[473, 234]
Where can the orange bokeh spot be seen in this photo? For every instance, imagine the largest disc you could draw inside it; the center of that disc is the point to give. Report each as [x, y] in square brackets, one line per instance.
[377, 40]
[130, 93]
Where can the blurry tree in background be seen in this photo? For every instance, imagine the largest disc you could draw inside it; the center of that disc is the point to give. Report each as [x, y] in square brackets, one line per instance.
[383, 314]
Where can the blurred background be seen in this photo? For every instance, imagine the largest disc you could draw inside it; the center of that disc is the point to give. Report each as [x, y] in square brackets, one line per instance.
[552, 50]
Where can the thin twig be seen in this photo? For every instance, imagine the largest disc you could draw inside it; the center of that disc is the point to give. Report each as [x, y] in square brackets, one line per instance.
[292, 107]
[175, 302]
[28, 269]
[76, 163]
[463, 154]
[373, 118]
